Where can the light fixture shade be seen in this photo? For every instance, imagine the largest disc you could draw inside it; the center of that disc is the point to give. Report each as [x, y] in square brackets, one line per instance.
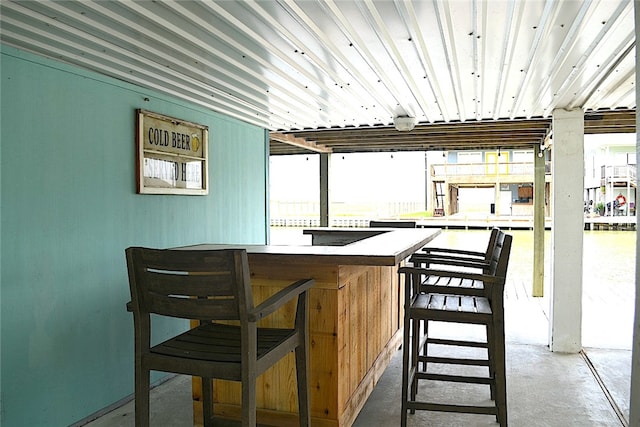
[404, 123]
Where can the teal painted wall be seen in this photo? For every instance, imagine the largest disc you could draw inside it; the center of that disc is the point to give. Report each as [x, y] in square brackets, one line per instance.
[69, 210]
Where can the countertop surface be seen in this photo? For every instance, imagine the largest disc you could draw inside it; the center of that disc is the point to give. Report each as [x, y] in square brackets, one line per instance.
[389, 247]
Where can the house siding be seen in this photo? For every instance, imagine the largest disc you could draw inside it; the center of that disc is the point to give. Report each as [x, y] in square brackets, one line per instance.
[70, 208]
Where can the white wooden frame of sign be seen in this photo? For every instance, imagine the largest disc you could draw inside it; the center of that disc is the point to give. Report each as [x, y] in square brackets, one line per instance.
[172, 155]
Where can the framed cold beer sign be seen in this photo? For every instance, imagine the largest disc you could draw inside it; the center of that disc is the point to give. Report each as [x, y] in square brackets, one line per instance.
[172, 155]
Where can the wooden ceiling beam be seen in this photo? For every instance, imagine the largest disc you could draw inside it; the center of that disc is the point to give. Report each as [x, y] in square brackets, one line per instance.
[449, 143]
[440, 134]
[299, 142]
[458, 127]
[469, 135]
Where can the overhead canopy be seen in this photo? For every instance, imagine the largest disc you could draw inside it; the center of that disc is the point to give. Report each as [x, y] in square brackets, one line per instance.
[506, 134]
[333, 75]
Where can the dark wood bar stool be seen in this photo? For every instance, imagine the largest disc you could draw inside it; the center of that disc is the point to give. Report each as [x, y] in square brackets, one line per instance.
[462, 297]
[454, 258]
[212, 286]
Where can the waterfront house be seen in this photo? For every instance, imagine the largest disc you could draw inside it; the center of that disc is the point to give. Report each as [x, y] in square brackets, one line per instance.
[611, 176]
[501, 182]
[498, 182]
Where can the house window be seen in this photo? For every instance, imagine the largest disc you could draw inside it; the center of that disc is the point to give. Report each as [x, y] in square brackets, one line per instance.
[470, 157]
[521, 161]
[466, 161]
[522, 156]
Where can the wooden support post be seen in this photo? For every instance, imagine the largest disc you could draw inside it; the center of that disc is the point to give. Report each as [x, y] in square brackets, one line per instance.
[538, 222]
[325, 160]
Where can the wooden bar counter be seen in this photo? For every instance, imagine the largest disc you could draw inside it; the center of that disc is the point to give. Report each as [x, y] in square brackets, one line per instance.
[355, 320]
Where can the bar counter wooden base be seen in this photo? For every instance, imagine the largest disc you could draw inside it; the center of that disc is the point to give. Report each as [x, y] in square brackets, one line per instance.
[355, 320]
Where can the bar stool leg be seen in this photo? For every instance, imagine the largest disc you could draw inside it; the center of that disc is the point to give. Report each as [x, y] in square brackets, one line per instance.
[501, 371]
[415, 351]
[207, 402]
[491, 353]
[405, 370]
[424, 350]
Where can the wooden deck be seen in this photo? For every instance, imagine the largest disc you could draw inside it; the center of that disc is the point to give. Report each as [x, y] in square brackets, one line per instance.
[610, 223]
[468, 222]
[486, 221]
[481, 221]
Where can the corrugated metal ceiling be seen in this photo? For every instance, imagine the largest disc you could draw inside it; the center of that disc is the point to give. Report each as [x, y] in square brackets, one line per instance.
[307, 65]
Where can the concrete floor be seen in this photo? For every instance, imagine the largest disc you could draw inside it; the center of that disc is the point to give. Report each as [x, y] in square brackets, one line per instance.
[544, 388]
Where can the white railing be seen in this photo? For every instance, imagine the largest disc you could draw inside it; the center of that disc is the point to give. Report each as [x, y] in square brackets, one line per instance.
[484, 169]
[342, 214]
[315, 222]
[622, 172]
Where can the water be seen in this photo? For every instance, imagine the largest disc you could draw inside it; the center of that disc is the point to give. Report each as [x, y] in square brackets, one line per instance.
[609, 263]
